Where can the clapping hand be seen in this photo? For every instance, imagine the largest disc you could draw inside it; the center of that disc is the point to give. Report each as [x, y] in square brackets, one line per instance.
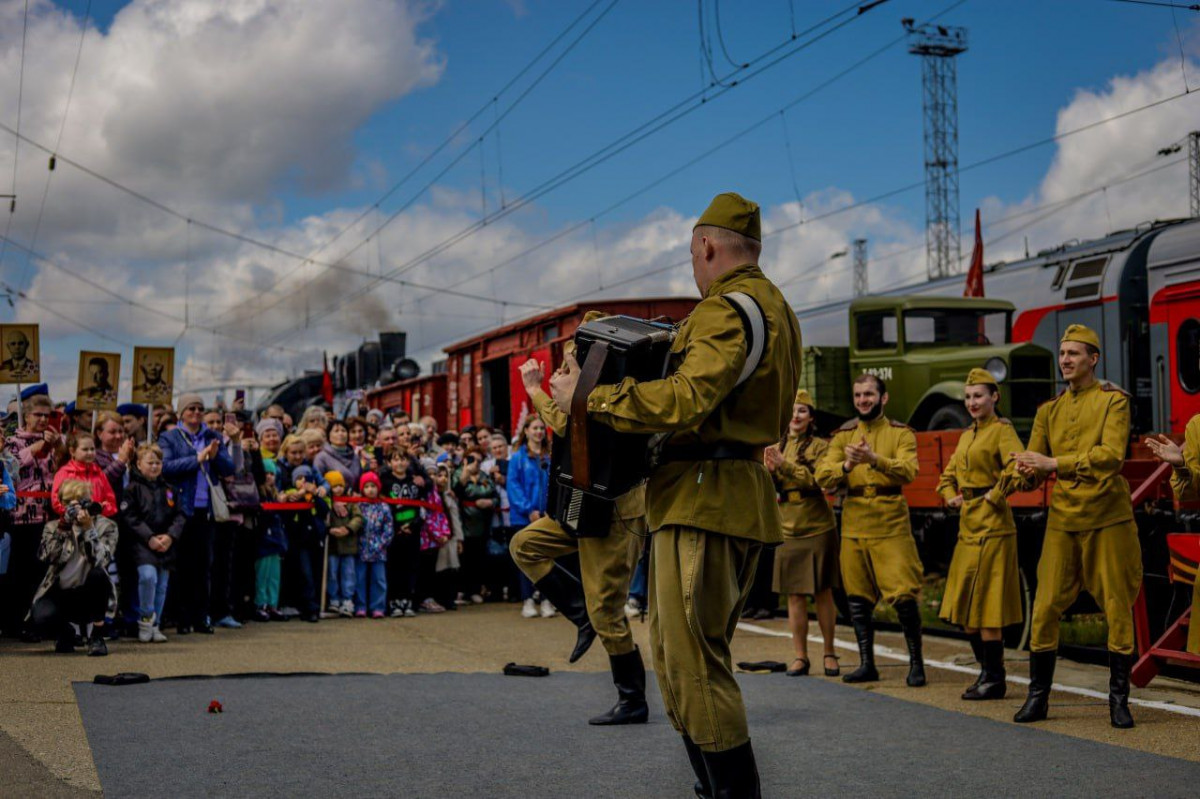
[860, 453]
[772, 457]
[1165, 450]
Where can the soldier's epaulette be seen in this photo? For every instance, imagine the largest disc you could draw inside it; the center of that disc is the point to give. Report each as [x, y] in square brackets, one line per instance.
[850, 425]
[1002, 420]
[1107, 386]
[894, 423]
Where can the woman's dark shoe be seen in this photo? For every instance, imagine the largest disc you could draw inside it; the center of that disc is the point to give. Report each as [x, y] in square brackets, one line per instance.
[204, 629]
[800, 672]
[1041, 677]
[65, 644]
[993, 679]
[837, 666]
[276, 615]
[96, 646]
[976, 649]
[183, 629]
[261, 614]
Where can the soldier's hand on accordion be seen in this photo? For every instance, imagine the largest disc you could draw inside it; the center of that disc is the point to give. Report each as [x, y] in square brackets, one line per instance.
[563, 382]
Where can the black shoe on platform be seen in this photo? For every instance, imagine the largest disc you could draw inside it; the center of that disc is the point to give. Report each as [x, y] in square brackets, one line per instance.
[861, 610]
[566, 593]
[629, 675]
[1118, 690]
[1041, 677]
[910, 620]
[65, 644]
[96, 646]
[733, 773]
[992, 683]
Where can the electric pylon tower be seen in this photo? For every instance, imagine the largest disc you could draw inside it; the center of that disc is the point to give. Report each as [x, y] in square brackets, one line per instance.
[938, 45]
[860, 268]
[1194, 172]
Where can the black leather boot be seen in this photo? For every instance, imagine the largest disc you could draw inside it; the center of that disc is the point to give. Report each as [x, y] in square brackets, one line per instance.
[629, 675]
[1041, 677]
[1118, 690]
[910, 620]
[977, 650]
[733, 773]
[566, 594]
[993, 684]
[96, 646]
[703, 786]
[861, 610]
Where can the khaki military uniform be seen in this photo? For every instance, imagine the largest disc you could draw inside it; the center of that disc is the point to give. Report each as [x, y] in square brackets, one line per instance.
[1091, 539]
[879, 556]
[983, 588]
[807, 561]
[606, 564]
[1185, 483]
[710, 518]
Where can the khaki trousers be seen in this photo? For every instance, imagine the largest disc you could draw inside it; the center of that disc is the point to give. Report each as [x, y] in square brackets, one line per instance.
[1107, 563]
[606, 566]
[887, 568]
[698, 586]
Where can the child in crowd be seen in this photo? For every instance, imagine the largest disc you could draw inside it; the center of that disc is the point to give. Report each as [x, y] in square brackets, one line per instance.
[314, 442]
[377, 531]
[272, 546]
[345, 525]
[448, 442]
[306, 531]
[154, 519]
[402, 481]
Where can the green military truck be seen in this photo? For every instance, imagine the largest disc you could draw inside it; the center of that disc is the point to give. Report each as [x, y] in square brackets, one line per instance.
[923, 347]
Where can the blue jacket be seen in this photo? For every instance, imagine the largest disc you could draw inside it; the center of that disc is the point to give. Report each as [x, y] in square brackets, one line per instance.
[181, 468]
[527, 484]
[8, 500]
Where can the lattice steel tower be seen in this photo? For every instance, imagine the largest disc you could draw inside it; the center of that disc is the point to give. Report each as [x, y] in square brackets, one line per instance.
[938, 45]
[860, 268]
[1194, 172]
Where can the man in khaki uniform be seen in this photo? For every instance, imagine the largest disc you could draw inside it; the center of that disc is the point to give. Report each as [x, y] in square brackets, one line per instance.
[1185, 483]
[1091, 539]
[874, 457]
[710, 502]
[597, 606]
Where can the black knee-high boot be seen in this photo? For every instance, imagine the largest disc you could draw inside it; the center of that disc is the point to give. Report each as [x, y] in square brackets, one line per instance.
[703, 786]
[910, 620]
[976, 649]
[993, 684]
[1118, 690]
[566, 593]
[629, 675]
[861, 610]
[1041, 677]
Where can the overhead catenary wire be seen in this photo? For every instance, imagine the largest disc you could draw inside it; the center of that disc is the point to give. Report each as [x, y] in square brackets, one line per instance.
[12, 205]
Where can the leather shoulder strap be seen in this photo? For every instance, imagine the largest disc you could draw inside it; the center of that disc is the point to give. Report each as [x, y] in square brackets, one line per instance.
[589, 376]
[755, 326]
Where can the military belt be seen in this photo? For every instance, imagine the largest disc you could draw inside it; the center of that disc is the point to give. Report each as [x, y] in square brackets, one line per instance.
[799, 494]
[975, 493]
[874, 491]
[711, 452]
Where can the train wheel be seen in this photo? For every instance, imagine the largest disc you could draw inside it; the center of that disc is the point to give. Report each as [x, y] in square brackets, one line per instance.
[1016, 636]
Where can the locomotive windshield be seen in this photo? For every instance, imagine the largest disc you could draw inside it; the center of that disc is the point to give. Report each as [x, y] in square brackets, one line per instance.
[956, 327]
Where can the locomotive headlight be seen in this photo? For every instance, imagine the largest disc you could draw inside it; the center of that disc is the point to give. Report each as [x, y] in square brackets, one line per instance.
[997, 368]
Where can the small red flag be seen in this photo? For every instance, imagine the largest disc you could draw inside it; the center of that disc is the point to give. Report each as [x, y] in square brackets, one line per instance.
[326, 381]
[974, 287]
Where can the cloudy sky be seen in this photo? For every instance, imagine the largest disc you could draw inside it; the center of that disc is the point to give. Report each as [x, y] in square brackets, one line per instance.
[258, 181]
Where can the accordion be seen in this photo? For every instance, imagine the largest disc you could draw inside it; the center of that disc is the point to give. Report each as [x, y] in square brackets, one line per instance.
[594, 464]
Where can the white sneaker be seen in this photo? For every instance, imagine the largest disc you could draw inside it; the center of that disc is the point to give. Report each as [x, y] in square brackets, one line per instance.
[548, 610]
[632, 608]
[477, 599]
[156, 636]
[346, 609]
[146, 629]
[529, 609]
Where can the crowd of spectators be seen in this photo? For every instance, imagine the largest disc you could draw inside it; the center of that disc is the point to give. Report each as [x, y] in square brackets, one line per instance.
[199, 518]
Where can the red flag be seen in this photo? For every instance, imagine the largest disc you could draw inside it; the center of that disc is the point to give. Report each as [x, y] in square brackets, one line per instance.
[326, 381]
[974, 287]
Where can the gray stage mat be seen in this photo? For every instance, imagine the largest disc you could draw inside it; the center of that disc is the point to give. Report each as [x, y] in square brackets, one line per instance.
[484, 735]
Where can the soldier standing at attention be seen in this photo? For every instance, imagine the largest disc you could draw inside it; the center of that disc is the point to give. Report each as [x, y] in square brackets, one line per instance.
[597, 605]
[874, 457]
[710, 502]
[983, 588]
[1185, 483]
[1091, 539]
[806, 564]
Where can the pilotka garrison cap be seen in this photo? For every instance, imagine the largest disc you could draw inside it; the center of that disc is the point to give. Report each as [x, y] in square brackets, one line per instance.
[980, 377]
[733, 212]
[1081, 334]
[804, 398]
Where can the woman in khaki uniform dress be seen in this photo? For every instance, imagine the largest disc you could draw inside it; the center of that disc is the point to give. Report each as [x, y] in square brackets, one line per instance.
[983, 587]
[806, 564]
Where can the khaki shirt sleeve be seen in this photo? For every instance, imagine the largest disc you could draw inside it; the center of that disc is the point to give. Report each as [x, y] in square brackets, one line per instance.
[1106, 458]
[829, 474]
[947, 486]
[1184, 480]
[1039, 442]
[800, 473]
[713, 356]
[548, 409]
[1010, 481]
[904, 466]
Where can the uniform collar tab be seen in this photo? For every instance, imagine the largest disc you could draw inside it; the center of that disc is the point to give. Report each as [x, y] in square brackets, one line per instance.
[737, 273]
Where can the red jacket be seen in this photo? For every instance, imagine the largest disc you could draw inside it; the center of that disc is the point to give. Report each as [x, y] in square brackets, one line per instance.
[89, 473]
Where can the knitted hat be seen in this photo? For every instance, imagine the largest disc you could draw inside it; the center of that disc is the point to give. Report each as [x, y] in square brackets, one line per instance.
[189, 399]
[269, 424]
[733, 212]
[335, 478]
[304, 473]
[1081, 334]
[369, 477]
[980, 377]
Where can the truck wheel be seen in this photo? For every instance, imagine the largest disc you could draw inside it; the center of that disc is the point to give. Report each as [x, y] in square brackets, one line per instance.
[949, 417]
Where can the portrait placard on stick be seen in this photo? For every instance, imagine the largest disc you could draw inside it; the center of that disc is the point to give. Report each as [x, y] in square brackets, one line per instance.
[99, 373]
[19, 356]
[153, 375]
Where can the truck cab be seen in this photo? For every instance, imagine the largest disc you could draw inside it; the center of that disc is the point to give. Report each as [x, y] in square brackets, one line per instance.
[923, 347]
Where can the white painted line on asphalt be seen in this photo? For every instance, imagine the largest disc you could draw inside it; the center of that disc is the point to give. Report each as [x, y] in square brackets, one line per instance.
[888, 652]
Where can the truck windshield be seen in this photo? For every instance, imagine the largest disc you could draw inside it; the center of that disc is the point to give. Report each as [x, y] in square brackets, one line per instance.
[961, 327]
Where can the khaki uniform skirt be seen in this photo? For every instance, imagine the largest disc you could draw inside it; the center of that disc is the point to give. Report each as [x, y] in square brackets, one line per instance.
[983, 588]
[807, 565]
